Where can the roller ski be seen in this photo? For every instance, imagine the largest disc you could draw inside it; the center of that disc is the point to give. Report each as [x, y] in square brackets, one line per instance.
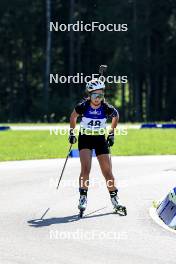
[82, 205]
[118, 207]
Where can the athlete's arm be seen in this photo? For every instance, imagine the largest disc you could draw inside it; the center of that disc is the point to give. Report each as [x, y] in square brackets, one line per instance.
[79, 110]
[113, 113]
[114, 124]
[73, 119]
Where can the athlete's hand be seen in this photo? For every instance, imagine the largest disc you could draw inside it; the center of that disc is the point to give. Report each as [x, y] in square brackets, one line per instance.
[110, 139]
[72, 138]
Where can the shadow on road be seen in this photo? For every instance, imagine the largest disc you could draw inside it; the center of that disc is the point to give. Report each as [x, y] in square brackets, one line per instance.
[63, 220]
[53, 221]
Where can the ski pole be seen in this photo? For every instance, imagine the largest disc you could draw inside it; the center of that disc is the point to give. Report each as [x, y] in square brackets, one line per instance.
[59, 181]
[64, 166]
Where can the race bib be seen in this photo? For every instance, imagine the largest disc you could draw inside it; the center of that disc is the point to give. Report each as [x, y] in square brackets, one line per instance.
[93, 124]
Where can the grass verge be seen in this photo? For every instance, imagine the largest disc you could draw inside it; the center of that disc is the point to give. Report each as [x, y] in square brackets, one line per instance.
[24, 145]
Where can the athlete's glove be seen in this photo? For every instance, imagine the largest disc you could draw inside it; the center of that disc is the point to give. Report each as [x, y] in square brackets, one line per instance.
[72, 138]
[110, 139]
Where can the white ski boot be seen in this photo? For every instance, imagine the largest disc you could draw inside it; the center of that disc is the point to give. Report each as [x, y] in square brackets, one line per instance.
[118, 207]
[82, 204]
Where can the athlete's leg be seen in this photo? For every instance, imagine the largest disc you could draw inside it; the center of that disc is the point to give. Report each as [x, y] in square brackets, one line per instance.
[106, 168]
[85, 159]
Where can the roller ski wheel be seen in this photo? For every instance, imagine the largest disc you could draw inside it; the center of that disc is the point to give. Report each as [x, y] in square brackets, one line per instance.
[120, 210]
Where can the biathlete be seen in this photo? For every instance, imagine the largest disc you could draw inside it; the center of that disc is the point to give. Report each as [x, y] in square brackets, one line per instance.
[95, 111]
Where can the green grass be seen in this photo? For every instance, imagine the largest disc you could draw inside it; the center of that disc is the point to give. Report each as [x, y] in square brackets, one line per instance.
[146, 142]
[24, 145]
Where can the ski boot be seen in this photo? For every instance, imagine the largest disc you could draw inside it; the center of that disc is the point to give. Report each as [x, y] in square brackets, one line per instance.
[118, 207]
[82, 202]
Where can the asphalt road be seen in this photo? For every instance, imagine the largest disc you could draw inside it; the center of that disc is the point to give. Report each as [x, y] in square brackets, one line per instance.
[27, 191]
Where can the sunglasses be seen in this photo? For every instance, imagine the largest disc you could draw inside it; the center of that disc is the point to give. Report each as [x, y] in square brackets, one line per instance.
[97, 95]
